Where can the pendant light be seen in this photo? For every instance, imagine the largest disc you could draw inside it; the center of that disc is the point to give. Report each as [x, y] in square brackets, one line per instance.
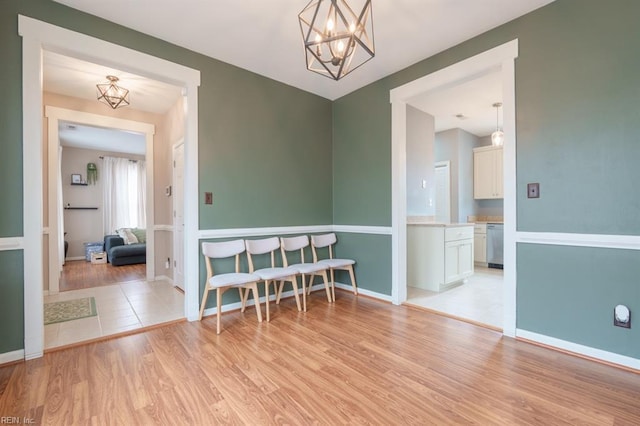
[337, 36]
[497, 137]
[111, 94]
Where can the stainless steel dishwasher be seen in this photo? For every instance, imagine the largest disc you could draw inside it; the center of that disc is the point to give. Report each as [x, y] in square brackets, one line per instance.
[495, 245]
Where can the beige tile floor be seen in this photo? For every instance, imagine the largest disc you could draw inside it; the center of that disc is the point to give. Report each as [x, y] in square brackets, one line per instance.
[121, 307]
[478, 299]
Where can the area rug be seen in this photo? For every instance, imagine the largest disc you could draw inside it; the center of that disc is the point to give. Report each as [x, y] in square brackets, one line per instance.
[69, 310]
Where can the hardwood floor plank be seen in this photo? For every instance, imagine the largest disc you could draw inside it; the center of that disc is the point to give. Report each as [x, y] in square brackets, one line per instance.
[78, 274]
[358, 361]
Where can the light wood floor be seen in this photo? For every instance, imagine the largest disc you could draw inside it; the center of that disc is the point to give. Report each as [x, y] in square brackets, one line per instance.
[356, 361]
[78, 274]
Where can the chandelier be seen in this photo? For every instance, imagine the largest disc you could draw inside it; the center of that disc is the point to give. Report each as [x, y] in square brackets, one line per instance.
[497, 137]
[337, 40]
[112, 94]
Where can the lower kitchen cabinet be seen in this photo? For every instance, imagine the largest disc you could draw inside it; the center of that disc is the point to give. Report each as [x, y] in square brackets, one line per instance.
[480, 244]
[438, 255]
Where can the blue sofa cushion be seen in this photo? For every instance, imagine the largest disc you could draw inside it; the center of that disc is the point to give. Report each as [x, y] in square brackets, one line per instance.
[119, 253]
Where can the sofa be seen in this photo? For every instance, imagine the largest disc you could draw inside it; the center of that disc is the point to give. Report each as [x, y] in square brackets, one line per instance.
[119, 253]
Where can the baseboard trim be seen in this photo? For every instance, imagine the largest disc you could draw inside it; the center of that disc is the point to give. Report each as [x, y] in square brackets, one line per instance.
[11, 357]
[75, 258]
[587, 352]
[627, 242]
[364, 292]
[163, 278]
[166, 228]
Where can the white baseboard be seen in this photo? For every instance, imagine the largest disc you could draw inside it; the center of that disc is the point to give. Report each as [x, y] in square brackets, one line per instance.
[11, 356]
[163, 278]
[588, 351]
[287, 294]
[364, 292]
[76, 258]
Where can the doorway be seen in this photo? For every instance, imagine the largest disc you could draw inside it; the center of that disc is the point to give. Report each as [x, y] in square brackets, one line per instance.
[39, 36]
[502, 59]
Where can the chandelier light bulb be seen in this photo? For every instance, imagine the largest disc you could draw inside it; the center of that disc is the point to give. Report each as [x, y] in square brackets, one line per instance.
[330, 25]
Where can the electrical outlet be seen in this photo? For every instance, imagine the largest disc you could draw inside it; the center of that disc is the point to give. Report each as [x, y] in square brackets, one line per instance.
[622, 316]
[533, 190]
[208, 197]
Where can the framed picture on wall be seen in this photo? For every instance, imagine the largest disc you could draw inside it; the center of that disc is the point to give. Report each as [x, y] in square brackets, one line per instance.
[76, 178]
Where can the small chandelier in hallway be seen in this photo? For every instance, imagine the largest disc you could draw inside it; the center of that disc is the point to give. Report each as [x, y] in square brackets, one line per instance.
[111, 94]
[336, 38]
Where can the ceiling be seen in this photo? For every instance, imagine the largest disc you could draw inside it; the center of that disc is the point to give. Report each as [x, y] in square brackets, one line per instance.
[473, 99]
[73, 77]
[100, 139]
[264, 36]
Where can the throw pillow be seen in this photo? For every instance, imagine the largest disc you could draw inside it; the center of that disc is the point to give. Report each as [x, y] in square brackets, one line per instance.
[141, 234]
[127, 236]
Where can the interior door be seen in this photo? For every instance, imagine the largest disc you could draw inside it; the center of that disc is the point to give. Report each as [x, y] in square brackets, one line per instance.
[178, 215]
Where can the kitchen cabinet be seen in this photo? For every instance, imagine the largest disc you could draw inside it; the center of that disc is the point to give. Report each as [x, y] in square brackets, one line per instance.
[439, 255]
[480, 244]
[488, 173]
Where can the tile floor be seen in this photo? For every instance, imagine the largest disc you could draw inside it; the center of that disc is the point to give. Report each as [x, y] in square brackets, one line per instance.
[121, 307]
[479, 299]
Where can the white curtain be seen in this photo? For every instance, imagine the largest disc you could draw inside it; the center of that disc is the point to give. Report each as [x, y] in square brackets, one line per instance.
[60, 207]
[124, 183]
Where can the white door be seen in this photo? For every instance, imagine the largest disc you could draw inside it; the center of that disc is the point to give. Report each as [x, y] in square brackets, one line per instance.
[178, 215]
[443, 192]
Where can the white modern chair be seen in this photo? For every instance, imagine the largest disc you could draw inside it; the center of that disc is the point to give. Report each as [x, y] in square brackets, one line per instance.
[271, 274]
[222, 282]
[311, 269]
[328, 240]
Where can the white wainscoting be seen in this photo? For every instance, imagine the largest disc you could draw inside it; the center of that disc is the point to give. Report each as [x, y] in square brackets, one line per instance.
[291, 230]
[11, 243]
[625, 242]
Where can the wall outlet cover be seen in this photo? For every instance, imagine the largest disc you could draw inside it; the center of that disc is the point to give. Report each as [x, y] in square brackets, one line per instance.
[533, 190]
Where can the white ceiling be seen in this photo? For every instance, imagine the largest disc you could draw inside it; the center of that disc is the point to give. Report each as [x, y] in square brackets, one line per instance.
[473, 99]
[74, 77]
[100, 139]
[264, 36]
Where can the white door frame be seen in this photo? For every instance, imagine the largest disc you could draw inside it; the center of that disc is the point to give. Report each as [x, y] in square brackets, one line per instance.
[177, 190]
[54, 116]
[502, 59]
[36, 37]
[443, 165]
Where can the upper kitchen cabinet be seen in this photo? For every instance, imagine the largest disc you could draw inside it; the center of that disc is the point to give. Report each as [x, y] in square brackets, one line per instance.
[487, 173]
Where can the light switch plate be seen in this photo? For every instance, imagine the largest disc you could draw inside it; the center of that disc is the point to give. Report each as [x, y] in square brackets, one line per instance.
[533, 190]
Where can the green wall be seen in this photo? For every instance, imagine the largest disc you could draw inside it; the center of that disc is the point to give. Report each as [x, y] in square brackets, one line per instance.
[264, 147]
[578, 123]
[570, 293]
[12, 301]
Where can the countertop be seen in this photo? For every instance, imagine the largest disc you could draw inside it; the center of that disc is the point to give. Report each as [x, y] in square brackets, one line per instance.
[418, 222]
